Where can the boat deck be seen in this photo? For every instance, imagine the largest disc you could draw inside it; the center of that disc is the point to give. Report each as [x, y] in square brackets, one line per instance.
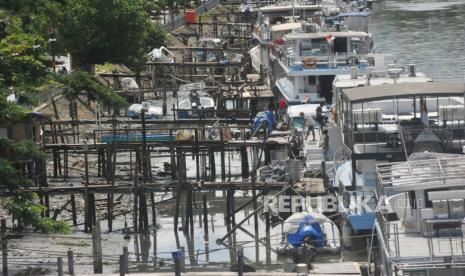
[410, 247]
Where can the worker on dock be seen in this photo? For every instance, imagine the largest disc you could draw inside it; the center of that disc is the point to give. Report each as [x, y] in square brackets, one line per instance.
[309, 125]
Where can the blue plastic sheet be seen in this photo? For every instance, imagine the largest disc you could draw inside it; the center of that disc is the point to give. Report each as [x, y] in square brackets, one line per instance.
[266, 117]
[309, 227]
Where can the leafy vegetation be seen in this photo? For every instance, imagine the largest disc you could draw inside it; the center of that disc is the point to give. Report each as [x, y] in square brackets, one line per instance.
[10, 112]
[96, 32]
[25, 148]
[28, 213]
[79, 83]
[31, 33]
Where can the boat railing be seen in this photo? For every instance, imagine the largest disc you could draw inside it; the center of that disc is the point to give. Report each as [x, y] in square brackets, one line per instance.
[342, 154]
[288, 57]
[443, 239]
[432, 171]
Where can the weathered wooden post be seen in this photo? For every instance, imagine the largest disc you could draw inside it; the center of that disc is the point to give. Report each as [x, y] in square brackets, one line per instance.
[205, 217]
[154, 212]
[240, 260]
[73, 210]
[223, 166]
[87, 219]
[245, 163]
[97, 248]
[126, 259]
[165, 108]
[3, 227]
[121, 265]
[177, 262]
[5, 256]
[60, 266]
[70, 262]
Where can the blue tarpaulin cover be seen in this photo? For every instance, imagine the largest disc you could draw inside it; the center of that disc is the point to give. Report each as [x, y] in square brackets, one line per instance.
[266, 117]
[360, 222]
[308, 227]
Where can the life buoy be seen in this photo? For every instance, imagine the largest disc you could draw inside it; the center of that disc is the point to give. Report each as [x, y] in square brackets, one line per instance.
[309, 61]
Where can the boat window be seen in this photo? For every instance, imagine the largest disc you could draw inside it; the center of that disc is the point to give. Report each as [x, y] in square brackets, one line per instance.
[429, 203]
[340, 45]
[319, 47]
[205, 102]
[357, 46]
[306, 48]
[311, 80]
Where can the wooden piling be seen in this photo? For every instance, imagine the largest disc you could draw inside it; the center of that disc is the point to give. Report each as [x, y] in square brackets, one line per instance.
[60, 266]
[240, 260]
[212, 164]
[188, 211]
[70, 262]
[121, 265]
[73, 210]
[196, 153]
[3, 227]
[232, 206]
[245, 163]
[222, 156]
[87, 217]
[143, 214]
[205, 217]
[125, 259]
[97, 248]
[154, 214]
[5, 256]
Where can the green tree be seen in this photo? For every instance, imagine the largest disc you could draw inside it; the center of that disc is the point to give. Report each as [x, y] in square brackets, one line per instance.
[23, 206]
[95, 32]
[82, 83]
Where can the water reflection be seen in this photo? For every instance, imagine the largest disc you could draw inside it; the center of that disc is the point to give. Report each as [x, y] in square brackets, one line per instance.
[403, 28]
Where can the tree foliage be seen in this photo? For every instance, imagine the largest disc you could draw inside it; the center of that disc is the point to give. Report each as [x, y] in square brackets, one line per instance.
[95, 32]
[82, 83]
[23, 206]
[20, 67]
[25, 148]
[10, 112]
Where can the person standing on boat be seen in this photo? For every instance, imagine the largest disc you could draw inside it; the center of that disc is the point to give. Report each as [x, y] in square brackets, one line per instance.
[309, 125]
[319, 115]
[282, 105]
[424, 114]
[324, 143]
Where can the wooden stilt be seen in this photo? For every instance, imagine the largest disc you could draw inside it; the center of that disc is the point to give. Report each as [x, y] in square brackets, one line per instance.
[73, 210]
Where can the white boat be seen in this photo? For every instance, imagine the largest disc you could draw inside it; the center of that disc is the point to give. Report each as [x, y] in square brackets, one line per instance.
[129, 84]
[312, 229]
[161, 54]
[310, 61]
[153, 112]
[194, 101]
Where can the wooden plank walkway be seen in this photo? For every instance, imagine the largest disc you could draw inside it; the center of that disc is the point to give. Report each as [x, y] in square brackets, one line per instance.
[320, 269]
[152, 187]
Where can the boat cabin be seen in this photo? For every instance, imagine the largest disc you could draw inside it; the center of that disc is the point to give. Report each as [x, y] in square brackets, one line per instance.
[311, 60]
[423, 233]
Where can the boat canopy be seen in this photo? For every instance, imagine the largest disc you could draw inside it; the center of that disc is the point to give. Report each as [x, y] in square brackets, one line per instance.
[294, 36]
[403, 90]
